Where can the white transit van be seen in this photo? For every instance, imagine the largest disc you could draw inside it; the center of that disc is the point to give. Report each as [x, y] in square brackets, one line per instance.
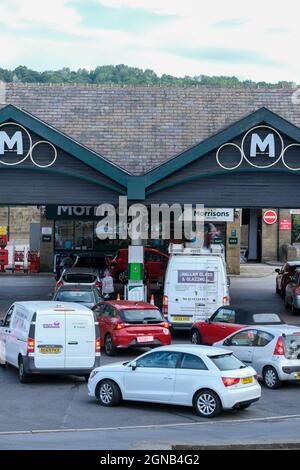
[50, 338]
[196, 285]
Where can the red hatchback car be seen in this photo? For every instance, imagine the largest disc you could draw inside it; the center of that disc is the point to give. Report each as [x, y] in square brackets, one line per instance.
[125, 324]
[155, 264]
[227, 320]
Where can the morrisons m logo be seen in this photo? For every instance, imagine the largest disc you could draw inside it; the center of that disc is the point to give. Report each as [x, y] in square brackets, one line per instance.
[11, 144]
[262, 145]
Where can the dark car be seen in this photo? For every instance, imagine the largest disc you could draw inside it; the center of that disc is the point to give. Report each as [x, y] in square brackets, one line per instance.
[227, 320]
[85, 295]
[97, 261]
[284, 276]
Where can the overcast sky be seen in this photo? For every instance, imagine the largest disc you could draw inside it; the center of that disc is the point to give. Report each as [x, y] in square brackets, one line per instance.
[257, 40]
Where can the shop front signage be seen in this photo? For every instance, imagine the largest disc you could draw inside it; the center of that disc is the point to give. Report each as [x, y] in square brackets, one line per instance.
[285, 224]
[270, 217]
[261, 147]
[16, 146]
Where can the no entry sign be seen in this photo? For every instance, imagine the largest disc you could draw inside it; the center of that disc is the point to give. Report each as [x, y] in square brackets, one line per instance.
[270, 217]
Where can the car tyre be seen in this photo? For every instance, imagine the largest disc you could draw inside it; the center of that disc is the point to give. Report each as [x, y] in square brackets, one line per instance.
[207, 404]
[295, 311]
[109, 347]
[108, 393]
[24, 378]
[286, 303]
[195, 337]
[271, 379]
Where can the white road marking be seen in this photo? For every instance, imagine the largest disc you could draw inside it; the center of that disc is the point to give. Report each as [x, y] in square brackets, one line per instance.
[152, 426]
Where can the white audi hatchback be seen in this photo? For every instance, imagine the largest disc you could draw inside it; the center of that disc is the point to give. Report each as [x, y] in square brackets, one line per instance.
[207, 378]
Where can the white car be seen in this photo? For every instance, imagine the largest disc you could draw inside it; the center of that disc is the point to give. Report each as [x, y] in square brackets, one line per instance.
[273, 351]
[79, 276]
[209, 379]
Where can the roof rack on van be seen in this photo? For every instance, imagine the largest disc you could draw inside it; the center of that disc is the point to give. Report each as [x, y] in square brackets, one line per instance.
[180, 249]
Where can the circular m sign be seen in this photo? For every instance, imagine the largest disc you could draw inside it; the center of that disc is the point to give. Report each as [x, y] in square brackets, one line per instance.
[270, 217]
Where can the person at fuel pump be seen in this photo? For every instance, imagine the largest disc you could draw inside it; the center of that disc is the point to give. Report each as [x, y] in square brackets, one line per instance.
[108, 289]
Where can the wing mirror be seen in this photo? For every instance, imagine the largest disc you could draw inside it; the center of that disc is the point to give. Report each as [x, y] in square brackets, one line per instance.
[277, 270]
[133, 365]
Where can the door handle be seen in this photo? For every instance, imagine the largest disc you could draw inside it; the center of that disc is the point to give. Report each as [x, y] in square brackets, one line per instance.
[168, 377]
[73, 342]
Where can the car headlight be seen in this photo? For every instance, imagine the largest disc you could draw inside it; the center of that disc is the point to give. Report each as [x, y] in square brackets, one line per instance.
[93, 373]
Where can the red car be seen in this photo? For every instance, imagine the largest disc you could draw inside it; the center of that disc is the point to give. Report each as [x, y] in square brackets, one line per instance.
[125, 323]
[227, 320]
[284, 276]
[155, 264]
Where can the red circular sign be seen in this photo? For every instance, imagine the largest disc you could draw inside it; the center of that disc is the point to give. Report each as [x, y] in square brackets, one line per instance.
[270, 217]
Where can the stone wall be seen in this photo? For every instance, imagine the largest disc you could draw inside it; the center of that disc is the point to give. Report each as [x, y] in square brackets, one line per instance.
[20, 218]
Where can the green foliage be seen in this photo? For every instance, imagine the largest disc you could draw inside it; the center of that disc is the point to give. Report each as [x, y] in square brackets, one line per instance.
[122, 74]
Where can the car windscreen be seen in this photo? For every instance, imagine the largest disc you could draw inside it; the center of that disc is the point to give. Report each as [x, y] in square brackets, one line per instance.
[75, 296]
[292, 346]
[227, 362]
[142, 316]
[80, 278]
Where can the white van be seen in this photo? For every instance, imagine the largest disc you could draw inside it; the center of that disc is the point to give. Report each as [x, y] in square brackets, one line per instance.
[196, 285]
[50, 338]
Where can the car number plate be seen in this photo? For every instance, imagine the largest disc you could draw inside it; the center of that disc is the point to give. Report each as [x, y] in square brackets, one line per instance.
[50, 350]
[144, 339]
[247, 380]
[297, 375]
[182, 318]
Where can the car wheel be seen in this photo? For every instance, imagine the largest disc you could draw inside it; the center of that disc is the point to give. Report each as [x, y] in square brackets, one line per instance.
[196, 337]
[23, 376]
[207, 404]
[109, 347]
[286, 302]
[123, 276]
[109, 393]
[295, 311]
[271, 379]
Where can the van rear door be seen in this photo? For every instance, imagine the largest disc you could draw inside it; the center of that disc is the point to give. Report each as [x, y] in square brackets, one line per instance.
[50, 334]
[80, 341]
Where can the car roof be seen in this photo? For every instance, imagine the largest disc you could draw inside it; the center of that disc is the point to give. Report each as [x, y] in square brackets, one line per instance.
[199, 350]
[80, 271]
[83, 287]
[47, 305]
[130, 304]
[275, 329]
[245, 317]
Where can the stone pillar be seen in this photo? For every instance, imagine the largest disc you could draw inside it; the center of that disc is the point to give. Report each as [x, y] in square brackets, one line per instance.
[233, 251]
[269, 240]
[47, 247]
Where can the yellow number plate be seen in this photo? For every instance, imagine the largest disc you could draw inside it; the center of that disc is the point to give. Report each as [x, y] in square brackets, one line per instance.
[182, 318]
[50, 350]
[297, 375]
[247, 380]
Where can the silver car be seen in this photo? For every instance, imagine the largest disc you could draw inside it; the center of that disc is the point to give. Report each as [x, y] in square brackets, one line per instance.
[292, 293]
[273, 351]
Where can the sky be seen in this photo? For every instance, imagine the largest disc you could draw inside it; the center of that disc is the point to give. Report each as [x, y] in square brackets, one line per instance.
[258, 40]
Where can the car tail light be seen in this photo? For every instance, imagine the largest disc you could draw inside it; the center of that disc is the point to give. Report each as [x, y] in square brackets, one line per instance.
[59, 283]
[297, 290]
[165, 305]
[279, 348]
[98, 284]
[30, 345]
[97, 345]
[230, 381]
[119, 326]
